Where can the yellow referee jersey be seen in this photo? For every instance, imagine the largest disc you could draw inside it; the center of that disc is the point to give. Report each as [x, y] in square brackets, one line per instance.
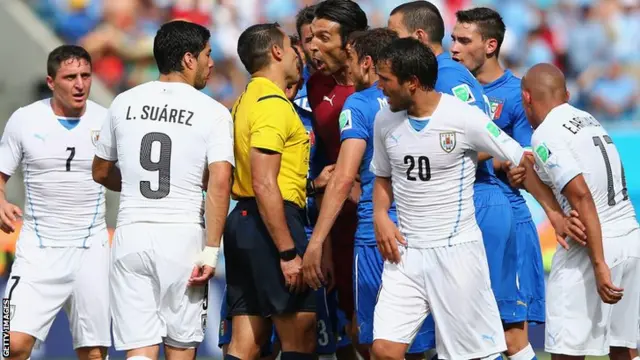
[264, 118]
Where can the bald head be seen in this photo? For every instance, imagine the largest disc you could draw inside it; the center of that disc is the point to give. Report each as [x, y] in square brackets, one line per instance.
[545, 82]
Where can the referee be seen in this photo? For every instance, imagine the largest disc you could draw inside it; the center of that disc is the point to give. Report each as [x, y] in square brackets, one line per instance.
[264, 235]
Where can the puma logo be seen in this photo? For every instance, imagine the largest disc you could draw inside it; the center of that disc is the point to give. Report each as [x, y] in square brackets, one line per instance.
[329, 99]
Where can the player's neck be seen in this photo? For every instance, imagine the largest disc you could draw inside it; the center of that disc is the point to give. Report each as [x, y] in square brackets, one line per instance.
[436, 48]
[424, 104]
[60, 110]
[272, 76]
[175, 77]
[489, 72]
[342, 77]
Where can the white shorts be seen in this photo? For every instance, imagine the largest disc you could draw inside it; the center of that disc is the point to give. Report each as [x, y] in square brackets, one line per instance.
[151, 303]
[578, 322]
[44, 280]
[452, 283]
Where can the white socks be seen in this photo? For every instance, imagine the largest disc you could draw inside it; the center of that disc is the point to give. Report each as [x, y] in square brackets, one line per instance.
[525, 354]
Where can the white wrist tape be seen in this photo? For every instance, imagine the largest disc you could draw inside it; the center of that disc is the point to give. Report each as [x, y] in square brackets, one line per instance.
[208, 256]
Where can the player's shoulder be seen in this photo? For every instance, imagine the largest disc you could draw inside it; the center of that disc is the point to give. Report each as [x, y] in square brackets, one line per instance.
[387, 118]
[93, 108]
[36, 111]
[454, 107]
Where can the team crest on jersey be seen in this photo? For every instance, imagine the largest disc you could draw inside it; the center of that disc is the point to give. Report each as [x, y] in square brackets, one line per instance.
[448, 141]
[464, 93]
[495, 107]
[95, 135]
[312, 137]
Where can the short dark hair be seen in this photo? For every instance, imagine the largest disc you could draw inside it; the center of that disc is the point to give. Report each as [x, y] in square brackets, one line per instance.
[305, 17]
[63, 53]
[255, 43]
[371, 42]
[346, 13]
[176, 38]
[295, 40]
[410, 58]
[422, 15]
[488, 21]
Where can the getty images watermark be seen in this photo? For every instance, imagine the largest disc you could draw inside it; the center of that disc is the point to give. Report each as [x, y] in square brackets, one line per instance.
[6, 319]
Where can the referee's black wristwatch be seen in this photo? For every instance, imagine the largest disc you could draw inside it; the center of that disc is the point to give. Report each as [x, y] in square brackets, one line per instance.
[288, 255]
[312, 191]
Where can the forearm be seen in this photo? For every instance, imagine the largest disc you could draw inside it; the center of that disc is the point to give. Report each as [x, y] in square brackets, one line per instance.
[271, 208]
[216, 209]
[382, 196]
[483, 156]
[356, 191]
[113, 181]
[3, 184]
[589, 217]
[543, 195]
[336, 194]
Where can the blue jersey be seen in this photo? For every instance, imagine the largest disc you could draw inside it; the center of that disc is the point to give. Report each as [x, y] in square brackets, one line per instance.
[455, 79]
[507, 112]
[356, 122]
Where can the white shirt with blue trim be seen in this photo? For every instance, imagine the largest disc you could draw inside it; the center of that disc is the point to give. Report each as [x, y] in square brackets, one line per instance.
[64, 207]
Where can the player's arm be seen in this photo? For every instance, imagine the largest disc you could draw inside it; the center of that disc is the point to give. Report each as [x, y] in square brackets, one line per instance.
[104, 169]
[521, 129]
[558, 163]
[483, 135]
[10, 159]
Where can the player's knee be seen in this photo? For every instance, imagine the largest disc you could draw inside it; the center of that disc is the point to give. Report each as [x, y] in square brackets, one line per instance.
[299, 335]
[516, 338]
[386, 350]
[92, 353]
[21, 346]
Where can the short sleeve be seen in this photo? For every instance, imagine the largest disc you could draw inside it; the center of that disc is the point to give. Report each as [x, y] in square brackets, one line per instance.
[107, 148]
[11, 145]
[353, 122]
[555, 159]
[380, 164]
[483, 135]
[453, 82]
[269, 124]
[522, 130]
[220, 139]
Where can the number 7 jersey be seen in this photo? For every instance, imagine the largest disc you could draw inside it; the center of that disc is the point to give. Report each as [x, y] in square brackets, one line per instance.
[433, 170]
[163, 136]
[570, 142]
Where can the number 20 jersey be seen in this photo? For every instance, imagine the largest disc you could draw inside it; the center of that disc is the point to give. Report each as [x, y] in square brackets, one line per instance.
[163, 136]
[433, 170]
[570, 142]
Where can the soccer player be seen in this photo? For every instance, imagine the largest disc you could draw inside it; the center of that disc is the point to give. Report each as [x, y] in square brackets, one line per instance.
[356, 152]
[477, 37]
[576, 157]
[265, 235]
[440, 266]
[327, 90]
[62, 254]
[165, 135]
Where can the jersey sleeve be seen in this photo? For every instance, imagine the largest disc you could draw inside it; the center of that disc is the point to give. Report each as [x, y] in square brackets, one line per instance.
[269, 128]
[107, 148]
[453, 83]
[353, 122]
[220, 139]
[484, 135]
[11, 145]
[522, 130]
[380, 164]
[554, 159]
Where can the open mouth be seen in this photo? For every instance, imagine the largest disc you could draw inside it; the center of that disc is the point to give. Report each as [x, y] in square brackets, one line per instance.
[319, 64]
[78, 97]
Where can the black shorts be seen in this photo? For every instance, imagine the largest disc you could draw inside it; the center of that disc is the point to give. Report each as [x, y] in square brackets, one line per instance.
[255, 283]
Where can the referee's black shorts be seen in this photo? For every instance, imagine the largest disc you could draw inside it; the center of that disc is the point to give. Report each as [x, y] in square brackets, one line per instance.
[255, 284]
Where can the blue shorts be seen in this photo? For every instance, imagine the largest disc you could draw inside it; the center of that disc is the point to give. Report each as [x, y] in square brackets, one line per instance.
[530, 271]
[495, 219]
[368, 265]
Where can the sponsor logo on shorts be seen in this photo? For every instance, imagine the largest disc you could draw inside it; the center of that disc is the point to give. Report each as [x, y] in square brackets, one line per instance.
[448, 141]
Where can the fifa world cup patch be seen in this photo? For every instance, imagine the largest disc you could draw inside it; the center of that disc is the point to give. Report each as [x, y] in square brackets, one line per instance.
[345, 120]
[493, 129]
[448, 141]
[463, 92]
[543, 152]
[95, 136]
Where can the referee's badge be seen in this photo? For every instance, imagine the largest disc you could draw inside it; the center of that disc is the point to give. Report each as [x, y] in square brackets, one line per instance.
[95, 135]
[448, 141]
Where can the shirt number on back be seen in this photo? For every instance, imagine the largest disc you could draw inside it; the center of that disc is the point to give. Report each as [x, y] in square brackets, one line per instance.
[162, 166]
[611, 193]
[424, 168]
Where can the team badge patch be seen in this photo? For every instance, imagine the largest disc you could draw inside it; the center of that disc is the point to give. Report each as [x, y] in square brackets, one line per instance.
[493, 129]
[95, 136]
[463, 92]
[345, 120]
[448, 141]
[543, 152]
[495, 107]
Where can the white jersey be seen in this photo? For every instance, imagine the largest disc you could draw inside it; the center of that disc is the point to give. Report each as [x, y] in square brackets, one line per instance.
[63, 205]
[570, 142]
[163, 136]
[433, 170]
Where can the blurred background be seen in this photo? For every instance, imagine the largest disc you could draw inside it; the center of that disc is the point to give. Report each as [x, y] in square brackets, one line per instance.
[593, 41]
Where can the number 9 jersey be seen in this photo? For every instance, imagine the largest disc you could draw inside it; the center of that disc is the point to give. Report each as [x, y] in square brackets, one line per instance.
[163, 136]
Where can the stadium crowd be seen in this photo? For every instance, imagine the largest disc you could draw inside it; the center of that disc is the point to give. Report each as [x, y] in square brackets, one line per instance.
[592, 41]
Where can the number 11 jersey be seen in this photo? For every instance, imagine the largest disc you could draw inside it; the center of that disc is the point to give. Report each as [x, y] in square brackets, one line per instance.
[163, 136]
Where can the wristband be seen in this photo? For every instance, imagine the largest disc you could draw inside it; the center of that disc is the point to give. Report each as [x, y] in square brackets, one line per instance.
[288, 255]
[208, 256]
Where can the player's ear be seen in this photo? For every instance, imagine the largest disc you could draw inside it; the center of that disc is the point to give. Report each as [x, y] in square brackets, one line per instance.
[421, 36]
[490, 47]
[367, 62]
[526, 97]
[189, 61]
[277, 52]
[567, 96]
[50, 83]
